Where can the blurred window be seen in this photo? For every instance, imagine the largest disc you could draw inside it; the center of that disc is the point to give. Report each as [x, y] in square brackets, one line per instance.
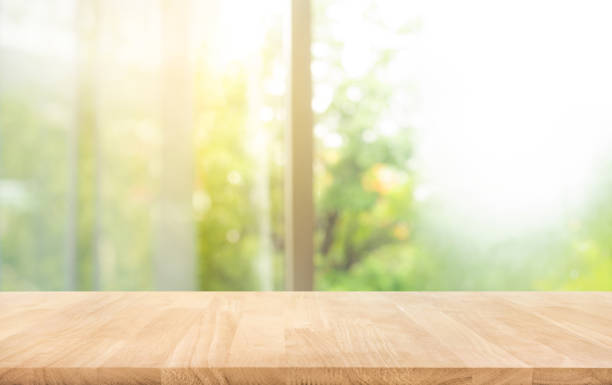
[458, 145]
[462, 145]
[141, 144]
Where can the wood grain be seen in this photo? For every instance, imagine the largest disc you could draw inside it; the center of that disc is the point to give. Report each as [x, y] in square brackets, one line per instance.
[305, 338]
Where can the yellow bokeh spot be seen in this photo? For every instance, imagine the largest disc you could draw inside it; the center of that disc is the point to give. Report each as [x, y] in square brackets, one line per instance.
[401, 231]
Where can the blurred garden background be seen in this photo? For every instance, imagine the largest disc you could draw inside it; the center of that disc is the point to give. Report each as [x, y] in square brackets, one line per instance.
[458, 145]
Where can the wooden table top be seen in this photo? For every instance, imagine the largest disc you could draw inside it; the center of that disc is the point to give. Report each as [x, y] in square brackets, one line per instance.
[305, 338]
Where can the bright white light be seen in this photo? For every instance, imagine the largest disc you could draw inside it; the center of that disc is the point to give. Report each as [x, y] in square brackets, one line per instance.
[234, 177]
[319, 69]
[236, 29]
[329, 138]
[516, 101]
[333, 140]
[354, 94]
[320, 50]
[323, 96]
[369, 136]
[388, 127]
[421, 193]
[266, 114]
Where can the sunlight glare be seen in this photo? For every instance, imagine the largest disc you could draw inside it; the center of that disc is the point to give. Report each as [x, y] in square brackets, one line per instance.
[515, 119]
[238, 31]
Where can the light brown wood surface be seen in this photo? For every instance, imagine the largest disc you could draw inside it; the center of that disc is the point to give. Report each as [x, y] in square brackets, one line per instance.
[305, 338]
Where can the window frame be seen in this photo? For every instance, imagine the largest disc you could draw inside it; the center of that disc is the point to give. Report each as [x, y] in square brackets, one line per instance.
[299, 205]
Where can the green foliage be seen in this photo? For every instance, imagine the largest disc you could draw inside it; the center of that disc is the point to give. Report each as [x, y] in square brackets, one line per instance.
[365, 212]
[233, 156]
[371, 231]
[226, 235]
[33, 215]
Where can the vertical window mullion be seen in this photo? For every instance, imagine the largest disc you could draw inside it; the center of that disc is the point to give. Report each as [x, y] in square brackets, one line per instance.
[299, 206]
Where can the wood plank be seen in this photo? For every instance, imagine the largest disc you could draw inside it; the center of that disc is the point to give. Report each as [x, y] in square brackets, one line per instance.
[305, 338]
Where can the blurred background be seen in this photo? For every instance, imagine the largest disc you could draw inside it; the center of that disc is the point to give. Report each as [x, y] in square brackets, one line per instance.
[458, 145]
